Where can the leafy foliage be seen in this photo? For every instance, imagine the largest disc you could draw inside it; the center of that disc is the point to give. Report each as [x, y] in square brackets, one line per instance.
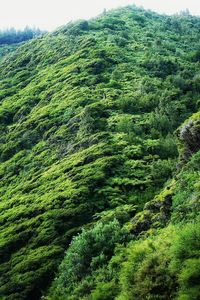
[88, 116]
[11, 39]
[157, 267]
[13, 36]
[88, 252]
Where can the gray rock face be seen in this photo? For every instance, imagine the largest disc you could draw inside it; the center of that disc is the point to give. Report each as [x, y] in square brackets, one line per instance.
[189, 135]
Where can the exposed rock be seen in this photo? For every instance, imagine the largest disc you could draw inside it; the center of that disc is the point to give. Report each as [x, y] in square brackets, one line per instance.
[156, 213]
[189, 136]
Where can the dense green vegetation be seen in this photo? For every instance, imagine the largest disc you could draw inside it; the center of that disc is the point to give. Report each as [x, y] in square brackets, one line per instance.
[10, 39]
[13, 36]
[99, 161]
[148, 262]
[5, 49]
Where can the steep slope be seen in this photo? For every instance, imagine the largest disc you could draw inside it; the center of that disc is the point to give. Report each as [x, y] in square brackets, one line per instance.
[87, 118]
[162, 260]
[6, 49]
[11, 39]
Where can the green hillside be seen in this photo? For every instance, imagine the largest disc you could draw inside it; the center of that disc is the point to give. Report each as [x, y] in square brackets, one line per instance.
[5, 49]
[11, 39]
[99, 161]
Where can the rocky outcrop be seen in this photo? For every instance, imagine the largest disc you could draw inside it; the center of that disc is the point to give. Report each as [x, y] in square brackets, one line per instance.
[156, 213]
[189, 137]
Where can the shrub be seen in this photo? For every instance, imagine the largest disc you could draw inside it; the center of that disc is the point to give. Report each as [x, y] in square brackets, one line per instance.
[88, 251]
[186, 262]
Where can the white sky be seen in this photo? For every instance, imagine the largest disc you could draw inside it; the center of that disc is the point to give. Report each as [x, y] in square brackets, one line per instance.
[49, 14]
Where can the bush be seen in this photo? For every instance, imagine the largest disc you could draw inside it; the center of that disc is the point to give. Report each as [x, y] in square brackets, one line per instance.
[186, 262]
[144, 275]
[88, 252]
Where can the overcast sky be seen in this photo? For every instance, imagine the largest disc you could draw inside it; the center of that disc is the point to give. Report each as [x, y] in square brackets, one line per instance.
[49, 14]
